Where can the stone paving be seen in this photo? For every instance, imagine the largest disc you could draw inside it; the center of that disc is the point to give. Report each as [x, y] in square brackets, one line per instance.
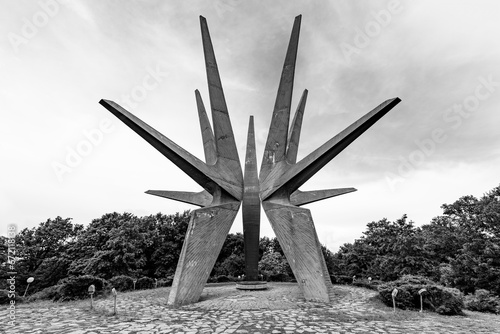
[223, 309]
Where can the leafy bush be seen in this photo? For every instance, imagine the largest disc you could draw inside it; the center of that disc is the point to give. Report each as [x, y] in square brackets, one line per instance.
[145, 283]
[341, 279]
[365, 283]
[52, 293]
[5, 299]
[439, 299]
[122, 283]
[77, 287]
[280, 277]
[166, 281]
[222, 278]
[483, 301]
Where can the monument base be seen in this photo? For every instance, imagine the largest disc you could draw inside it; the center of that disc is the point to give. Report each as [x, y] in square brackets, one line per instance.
[251, 285]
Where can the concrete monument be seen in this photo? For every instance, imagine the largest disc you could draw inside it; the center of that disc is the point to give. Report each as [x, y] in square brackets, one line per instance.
[225, 187]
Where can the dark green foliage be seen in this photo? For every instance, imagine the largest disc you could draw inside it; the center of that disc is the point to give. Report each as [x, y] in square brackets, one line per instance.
[279, 277]
[145, 283]
[5, 298]
[459, 249]
[341, 279]
[50, 293]
[483, 301]
[233, 265]
[446, 301]
[123, 244]
[365, 283]
[76, 287]
[43, 252]
[222, 279]
[166, 281]
[386, 251]
[122, 283]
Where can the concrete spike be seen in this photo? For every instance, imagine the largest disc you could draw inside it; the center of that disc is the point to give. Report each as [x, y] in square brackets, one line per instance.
[292, 177]
[207, 134]
[299, 198]
[276, 144]
[202, 198]
[206, 176]
[251, 208]
[293, 141]
[224, 137]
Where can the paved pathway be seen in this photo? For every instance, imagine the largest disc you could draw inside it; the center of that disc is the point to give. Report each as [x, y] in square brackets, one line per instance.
[223, 309]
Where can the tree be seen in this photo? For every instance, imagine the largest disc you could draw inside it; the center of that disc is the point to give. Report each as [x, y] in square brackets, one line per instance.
[43, 251]
[273, 264]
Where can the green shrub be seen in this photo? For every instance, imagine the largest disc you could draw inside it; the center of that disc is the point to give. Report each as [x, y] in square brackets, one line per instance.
[5, 298]
[341, 279]
[76, 287]
[483, 301]
[166, 281]
[145, 283]
[279, 277]
[222, 278]
[365, 283]
[52, 293]
[439, 299]
[122, 283]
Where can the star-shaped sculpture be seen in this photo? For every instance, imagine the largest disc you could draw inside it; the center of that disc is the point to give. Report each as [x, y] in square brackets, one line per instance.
[225, 188]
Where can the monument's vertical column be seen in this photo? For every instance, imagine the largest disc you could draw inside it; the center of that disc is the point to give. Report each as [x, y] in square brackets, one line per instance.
[251, 208]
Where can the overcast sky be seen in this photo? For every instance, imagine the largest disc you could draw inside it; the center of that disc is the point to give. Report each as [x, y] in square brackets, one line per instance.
[64, 154]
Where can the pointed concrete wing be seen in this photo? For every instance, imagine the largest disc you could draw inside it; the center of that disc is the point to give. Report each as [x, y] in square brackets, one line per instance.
[206, 176]
[202, 198]
[299, 198]
[297, 236]
[228, 162]
[226, 146]
[293, 141]
[206, 233]
[292, 177]
[275, 149]
[207, 134]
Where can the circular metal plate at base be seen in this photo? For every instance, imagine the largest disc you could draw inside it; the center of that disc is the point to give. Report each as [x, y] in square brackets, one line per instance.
[251, 285]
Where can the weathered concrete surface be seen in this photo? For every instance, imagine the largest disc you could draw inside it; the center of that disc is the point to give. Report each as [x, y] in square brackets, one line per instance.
[281, 176]
[276, 187]
[205, 236]
[251, 208]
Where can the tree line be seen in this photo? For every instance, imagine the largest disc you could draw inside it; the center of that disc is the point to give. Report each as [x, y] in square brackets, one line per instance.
[460, 248]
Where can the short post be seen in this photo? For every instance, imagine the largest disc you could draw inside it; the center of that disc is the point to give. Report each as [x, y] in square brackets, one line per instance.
[134, 283]
[29, 280]
[113, 291]
[91, 292]
[394, 294]
[421, 292]
[156, 283]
